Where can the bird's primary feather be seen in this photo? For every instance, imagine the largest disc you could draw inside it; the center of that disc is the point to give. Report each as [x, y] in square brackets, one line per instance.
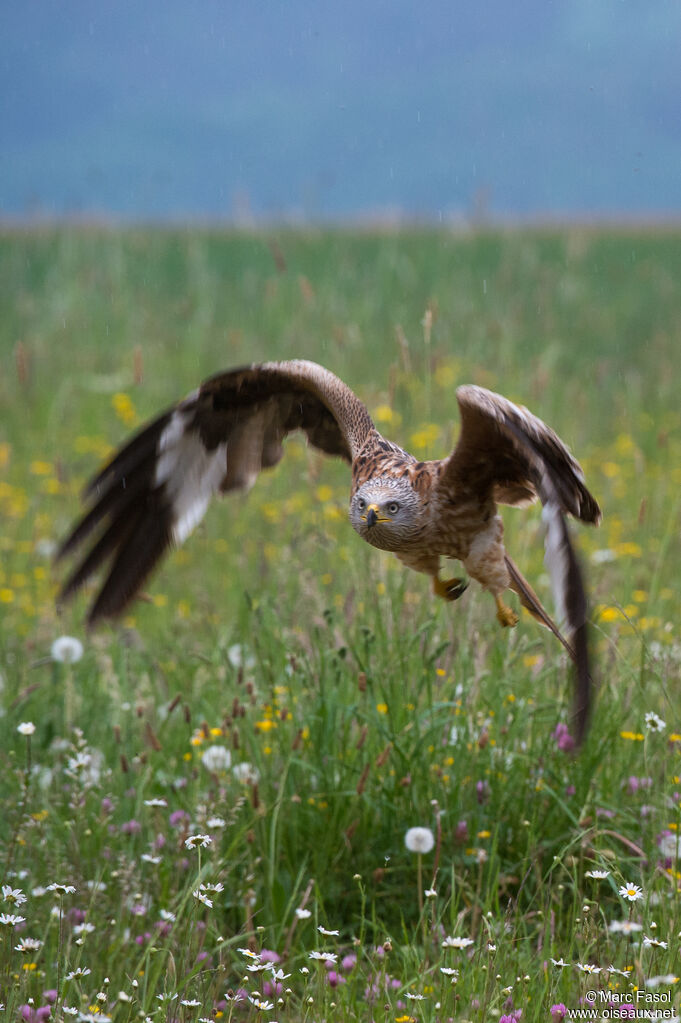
[157, 488]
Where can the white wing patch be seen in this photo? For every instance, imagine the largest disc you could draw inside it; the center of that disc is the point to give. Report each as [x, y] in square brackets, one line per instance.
[556, 558]
[189, 473]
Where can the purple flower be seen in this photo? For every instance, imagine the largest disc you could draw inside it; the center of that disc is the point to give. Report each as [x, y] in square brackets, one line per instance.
[179, 818]
[268, 955]
[335, 978]
[482, 791]
[349, 961]
[35, 1015]
[558, 1012]
[106, 805]
[461, 832]
[131, 827]
[564, 741]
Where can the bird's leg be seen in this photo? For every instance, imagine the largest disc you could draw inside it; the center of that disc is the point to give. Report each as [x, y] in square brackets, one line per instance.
[449, 589]
[505, 615]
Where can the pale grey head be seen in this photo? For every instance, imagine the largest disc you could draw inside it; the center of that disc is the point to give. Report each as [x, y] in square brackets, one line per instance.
[386, 512]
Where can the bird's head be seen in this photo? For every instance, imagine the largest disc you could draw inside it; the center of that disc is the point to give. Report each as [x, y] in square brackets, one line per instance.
[385, 512]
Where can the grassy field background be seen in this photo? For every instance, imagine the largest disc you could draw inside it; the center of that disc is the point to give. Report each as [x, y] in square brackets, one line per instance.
[301, 699]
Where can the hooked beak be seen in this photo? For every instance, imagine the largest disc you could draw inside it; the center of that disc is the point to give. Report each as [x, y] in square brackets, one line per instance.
[372, 515]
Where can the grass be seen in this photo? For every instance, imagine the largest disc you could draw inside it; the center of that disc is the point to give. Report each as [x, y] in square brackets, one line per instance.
[302, 700]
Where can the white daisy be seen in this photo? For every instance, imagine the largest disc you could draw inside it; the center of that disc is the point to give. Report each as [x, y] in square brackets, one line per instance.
[11, 919]
[631, 892]
[328, 934]
[198, 841]
[450, 942]
[26, 728]
[654, 723]
[653, 943]
[14, 895]
[598, 875]
[323, 957]
[588, 968]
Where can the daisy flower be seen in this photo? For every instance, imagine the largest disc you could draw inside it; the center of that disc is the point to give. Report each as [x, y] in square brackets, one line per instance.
[588, 968]
[61, 889]
[202, 897]
[560, 963]
[323, 957]
[654, 723]
[631, 892]
[197, 841]
[598, 875]
[457, 942]
[653, 943]
[328, 934]
[11, 919]
[14, 895]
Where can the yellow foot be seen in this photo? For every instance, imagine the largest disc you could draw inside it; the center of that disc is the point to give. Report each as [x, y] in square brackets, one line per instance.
[449, 589]
[505, 616]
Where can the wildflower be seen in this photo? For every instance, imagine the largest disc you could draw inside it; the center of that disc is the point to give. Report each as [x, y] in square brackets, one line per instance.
[430, 893]
[631, 892]
[665, 978]
[84, 928]
[11, 920]
[419, 840]
[247, 952]
[14, 895]
[191, 1003]
[323, 957]
[156, 801]
[303, 914]
[653, 943]
[621, 973]
[560, 963]
[216, 758]
[80, 971]
[26, 728]
[654, 723]
[264, 1006]
[588, 968]
[28, 945]
[166, 916]
[216, 823]
[449, 971]
[148, 858]
[197, 841]
[202, 897]
[457, 942]
[558, 1012]
[625, 927]
[328, 934]
[415, 997]
[598, 875]
[246, 773]
[564, 740]
[66, 650]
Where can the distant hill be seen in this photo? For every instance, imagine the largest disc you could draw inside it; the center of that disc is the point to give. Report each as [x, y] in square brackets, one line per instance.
[251, 108]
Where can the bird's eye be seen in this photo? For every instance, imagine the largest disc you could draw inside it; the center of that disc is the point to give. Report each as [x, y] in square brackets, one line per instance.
[393, 507]
[361, 504]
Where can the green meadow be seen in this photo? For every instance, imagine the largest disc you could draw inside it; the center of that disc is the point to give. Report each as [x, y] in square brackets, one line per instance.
[204, 811]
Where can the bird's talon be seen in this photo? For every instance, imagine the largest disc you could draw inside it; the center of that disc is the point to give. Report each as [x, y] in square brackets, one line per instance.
[505, 615]
[449, 589]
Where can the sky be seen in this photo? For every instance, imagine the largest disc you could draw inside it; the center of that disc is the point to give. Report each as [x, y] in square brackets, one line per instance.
[244, 110]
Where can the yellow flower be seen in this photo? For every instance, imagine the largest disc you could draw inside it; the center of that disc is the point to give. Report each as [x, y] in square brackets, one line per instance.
[265, 726]
[382, 708]
[38, 468]
[634, 736]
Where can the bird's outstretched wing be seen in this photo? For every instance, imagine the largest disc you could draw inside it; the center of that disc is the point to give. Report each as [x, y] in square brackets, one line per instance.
[506, 452]
[157, 487]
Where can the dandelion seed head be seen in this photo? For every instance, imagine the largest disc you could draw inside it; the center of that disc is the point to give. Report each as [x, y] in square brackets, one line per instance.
[419, 840]
[66, 650]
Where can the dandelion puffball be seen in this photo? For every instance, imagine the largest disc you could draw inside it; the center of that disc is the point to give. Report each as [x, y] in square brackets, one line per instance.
[419, 840]
[66, 650]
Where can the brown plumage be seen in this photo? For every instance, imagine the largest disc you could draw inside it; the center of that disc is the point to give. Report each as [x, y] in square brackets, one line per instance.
[158, 486]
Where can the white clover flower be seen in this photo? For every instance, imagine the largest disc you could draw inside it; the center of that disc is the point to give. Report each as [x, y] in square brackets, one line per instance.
[450, 942]
[66, 650]
[631, 892]
[654, 723]
[216, 758]
[198, 841]
[26, 728]
[419, 840]
[246, 773]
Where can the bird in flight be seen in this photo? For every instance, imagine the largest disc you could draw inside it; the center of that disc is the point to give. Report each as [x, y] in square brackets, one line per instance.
[157, 487]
